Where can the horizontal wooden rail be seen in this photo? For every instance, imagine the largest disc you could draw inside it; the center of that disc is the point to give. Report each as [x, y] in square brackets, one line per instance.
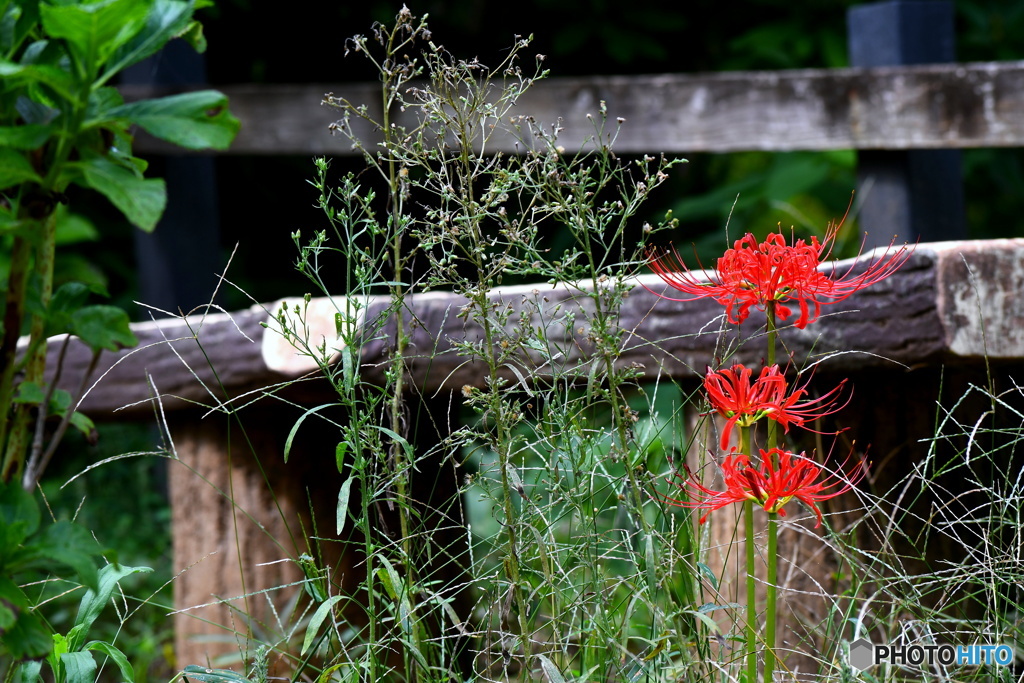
[930, 312]
[904, 107]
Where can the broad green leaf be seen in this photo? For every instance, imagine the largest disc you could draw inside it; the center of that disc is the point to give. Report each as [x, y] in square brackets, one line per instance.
[103, 327]
[60, 401]
[29, 392]
[194, 120]
[18, 505]
[34, 112]
[127, 672]
[193, 35]
[28, 673]
[15, 169]
[204, 675]
[12, 601]
[102, 101]
[28, 638]
[17, 20]
[94, 601]
[95, 30]
[79, 667]
[73, 228]
[72, 545]
[141, 200]
[86, 426]
[27, 136]
[316, 620]
[68, 298]
[166, 19]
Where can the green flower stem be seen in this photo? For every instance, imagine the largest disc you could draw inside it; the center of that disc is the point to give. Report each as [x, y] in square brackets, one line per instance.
[748, 527]
[21, 261]
[773, 525]
[769, 657]
[19, 433]
[773, 435]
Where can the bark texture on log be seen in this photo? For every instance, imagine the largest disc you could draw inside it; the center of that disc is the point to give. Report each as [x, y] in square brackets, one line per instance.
[952, 302]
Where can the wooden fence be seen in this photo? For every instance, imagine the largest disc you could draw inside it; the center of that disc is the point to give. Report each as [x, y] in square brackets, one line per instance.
[936, 106]
[925, 317]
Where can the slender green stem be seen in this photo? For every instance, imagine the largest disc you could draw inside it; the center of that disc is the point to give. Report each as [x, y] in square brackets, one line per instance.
[19, 434]
[769, 631]
[773, 526]
[751, 556]
[21, 261]
[772, 333]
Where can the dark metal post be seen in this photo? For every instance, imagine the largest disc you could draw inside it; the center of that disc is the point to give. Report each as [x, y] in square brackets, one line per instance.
[914, 194]
[178, 262]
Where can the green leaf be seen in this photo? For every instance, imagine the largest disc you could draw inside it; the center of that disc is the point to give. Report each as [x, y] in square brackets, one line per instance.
[95, 30]
[26, 136]
[343, 496]
[101, 102]
[298, 423]
[86, 426]
[73, 228]
[15, 169]
[166, 19]
[316, 620]
[28, 673]
[94, 601]
[389, 577]
[193, 35]
[12, 602]
[30, 392]
[550, 670]
[204, 675]
[194, 120]
[28, 638]
[127, 672]
[79, 667]
[141, 200]
[71, 545]
[68, 298]
[103, 327]
[18, 19]
[17, 506]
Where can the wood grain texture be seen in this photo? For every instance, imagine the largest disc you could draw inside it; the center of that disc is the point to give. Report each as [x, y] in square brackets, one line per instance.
[951, 302]
[902, 107]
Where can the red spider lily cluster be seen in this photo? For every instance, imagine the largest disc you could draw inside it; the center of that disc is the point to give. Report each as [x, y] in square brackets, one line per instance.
[781, 476]
[743, 403]
[772, 273]
[771, 276]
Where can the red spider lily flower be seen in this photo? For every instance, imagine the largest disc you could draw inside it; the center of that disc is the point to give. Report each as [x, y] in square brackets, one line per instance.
[781, 477]
[742, 402]
[772, 273]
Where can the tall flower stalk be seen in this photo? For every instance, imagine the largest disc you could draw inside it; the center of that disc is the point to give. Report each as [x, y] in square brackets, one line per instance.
[783, 280]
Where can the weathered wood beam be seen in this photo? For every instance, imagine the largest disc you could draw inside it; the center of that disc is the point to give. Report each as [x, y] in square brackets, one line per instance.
[902, 107]
[930, 312]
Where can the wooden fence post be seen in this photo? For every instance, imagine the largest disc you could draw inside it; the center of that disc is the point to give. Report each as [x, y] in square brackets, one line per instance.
[919, 192]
